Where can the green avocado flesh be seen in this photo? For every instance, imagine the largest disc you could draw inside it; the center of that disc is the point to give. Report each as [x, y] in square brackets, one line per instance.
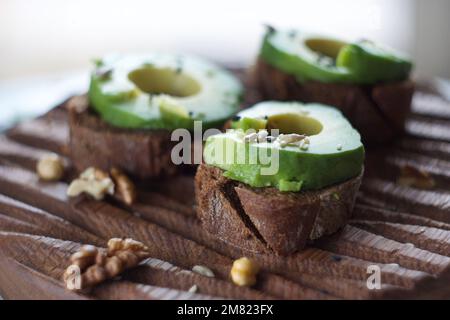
[319, 58]
[161, 91]
[334, 153]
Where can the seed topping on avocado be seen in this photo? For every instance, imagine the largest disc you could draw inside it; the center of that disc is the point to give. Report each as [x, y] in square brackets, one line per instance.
[292, 33]
[307, 152]
[252, 137]
[270, 29]
[262, 135]
[103, 73]
[290, 139]
[97, 62]
[325, 60]
[179, 66]
[282, 140]
[210, 73]
[305, 144]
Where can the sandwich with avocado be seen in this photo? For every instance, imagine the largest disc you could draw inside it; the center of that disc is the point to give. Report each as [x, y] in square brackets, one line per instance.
[285, 174]
[135, 102]
[368, 82]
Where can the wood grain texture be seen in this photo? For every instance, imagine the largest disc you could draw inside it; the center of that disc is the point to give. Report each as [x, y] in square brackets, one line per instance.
[403, 230]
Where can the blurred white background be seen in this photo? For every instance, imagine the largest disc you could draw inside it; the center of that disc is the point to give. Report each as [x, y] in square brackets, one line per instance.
[43, 41]
[41, 36]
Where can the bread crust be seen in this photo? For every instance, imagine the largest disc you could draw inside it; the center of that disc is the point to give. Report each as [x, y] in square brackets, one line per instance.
[143, 154]
[377, 111]
[265, 220]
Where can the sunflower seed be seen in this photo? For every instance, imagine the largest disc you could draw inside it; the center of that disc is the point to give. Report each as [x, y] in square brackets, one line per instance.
[252, 137]
[204, 271]
[193, 289]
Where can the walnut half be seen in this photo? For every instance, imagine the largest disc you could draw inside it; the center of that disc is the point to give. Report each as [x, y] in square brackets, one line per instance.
[97, 265]
[92, 181]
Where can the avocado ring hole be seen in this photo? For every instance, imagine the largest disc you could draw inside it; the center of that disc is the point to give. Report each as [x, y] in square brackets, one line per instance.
[288, 123]
[169, 81]
[326, 47]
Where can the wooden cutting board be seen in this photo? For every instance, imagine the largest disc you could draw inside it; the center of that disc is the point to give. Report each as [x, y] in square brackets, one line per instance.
[404, 231]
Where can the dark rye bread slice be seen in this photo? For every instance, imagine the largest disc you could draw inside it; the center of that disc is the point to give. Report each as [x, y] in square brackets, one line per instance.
[142, 154]
[378, 112]
[265, 220]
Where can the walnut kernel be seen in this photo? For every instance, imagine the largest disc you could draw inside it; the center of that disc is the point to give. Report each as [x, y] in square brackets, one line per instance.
[97, 265]
[93, 182]
[411, 176]
[125, 187]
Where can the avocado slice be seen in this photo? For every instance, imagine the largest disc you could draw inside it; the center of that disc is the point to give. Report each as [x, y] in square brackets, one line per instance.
[325, 59]
[329, 150]
[160, 91]
[249, 123]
